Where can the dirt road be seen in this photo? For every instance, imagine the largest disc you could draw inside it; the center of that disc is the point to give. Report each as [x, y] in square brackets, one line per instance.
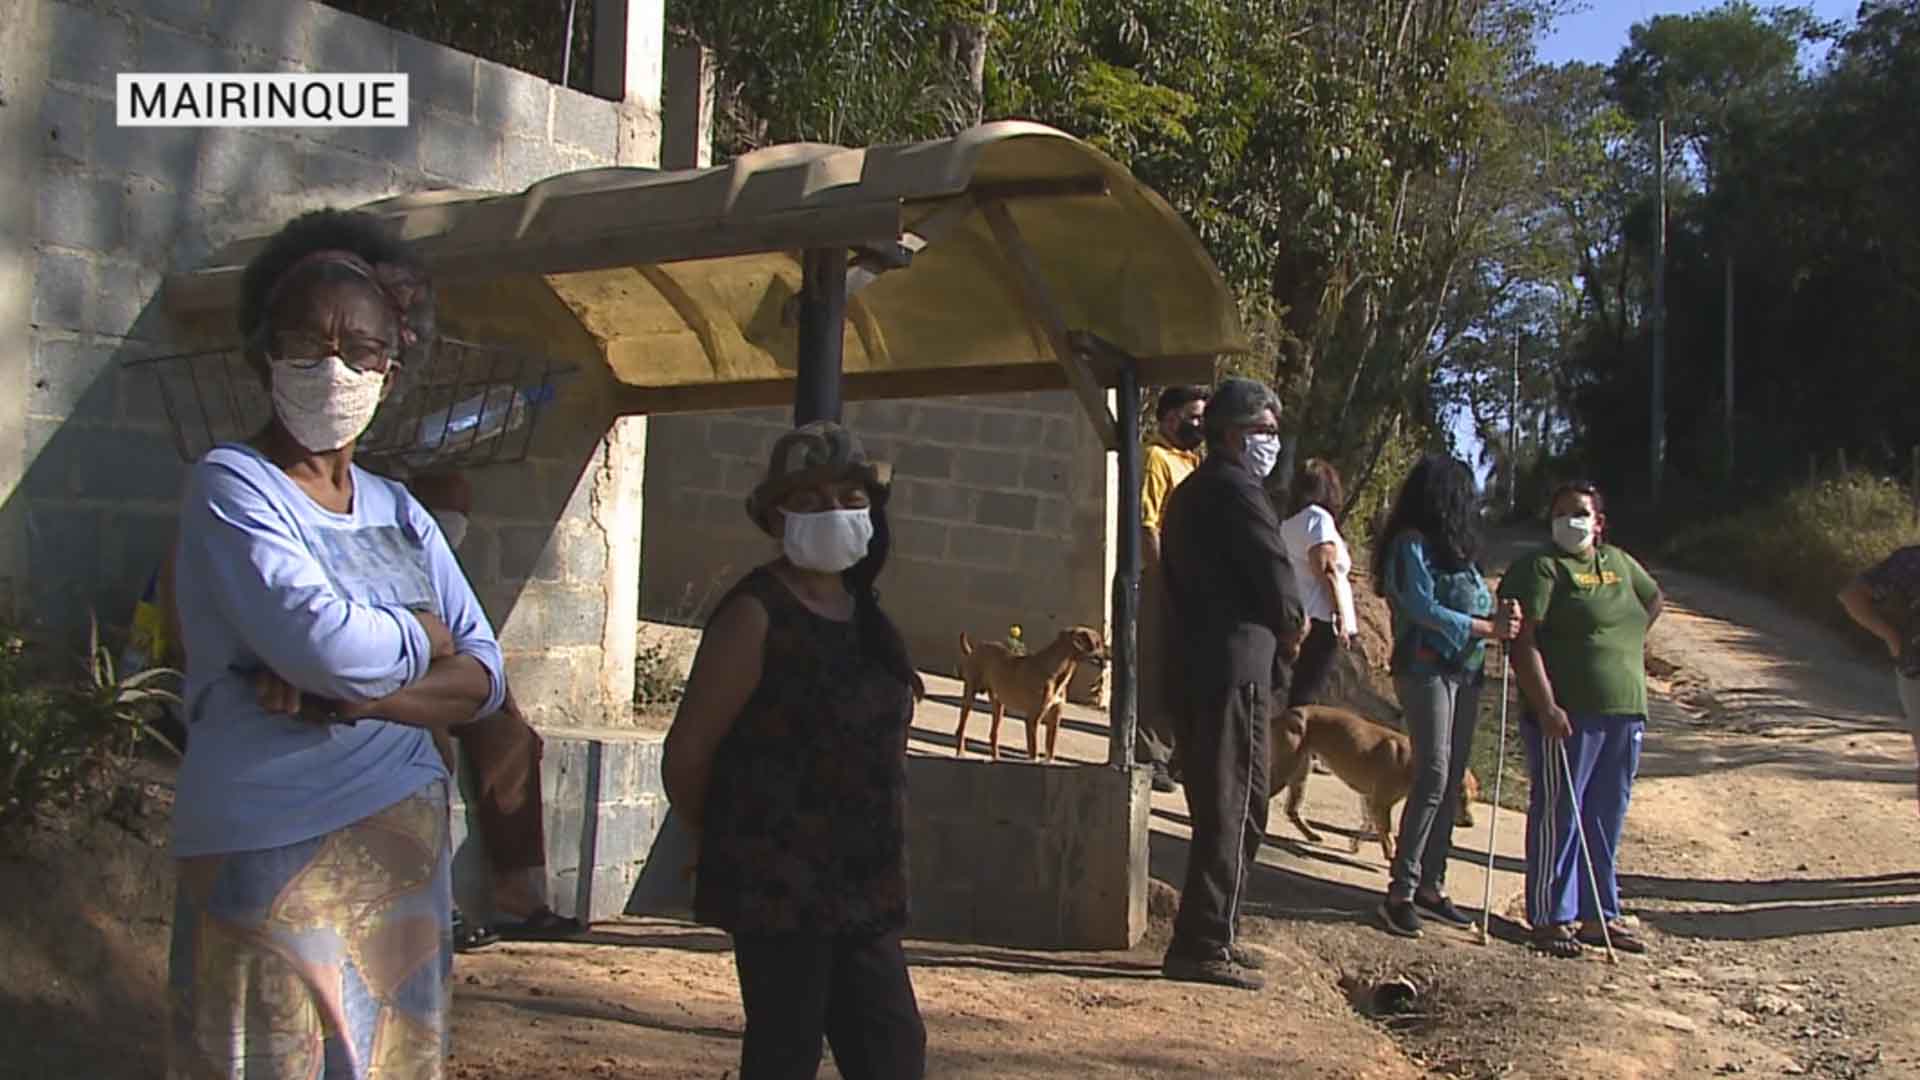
[1770, 857]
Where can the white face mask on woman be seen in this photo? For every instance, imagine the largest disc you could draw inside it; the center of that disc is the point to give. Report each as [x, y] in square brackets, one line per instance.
[829, 541]
[1263, 453]
[1573, 532]
[324, 404]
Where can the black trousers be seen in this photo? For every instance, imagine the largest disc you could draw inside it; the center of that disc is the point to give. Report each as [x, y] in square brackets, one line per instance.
[1310, 672]
[853, 990]
[1226, 763]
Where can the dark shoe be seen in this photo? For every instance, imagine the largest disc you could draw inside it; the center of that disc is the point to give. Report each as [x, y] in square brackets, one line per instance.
[470, 936]
[1442, 908]
[1217, 970]
[1246, 957]
[542, 925]
[1162, 780]
[1624, 940]
[1399, 918]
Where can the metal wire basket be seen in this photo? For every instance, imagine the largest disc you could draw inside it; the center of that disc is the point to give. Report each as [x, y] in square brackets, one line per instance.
[469, 405]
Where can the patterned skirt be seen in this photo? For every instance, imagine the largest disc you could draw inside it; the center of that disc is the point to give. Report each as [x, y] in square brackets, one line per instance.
[328, 959]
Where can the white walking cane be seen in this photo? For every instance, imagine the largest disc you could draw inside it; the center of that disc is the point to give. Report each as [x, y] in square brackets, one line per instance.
[1499, 772]
[1586, 856]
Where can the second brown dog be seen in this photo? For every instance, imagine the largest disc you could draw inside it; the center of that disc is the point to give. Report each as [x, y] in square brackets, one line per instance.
[1034, 685]
[1374, 760]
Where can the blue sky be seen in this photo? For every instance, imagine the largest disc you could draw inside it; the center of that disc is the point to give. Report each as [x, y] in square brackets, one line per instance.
[1596, 35]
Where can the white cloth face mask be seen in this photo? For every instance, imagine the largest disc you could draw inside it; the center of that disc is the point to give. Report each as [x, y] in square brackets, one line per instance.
[325, 404]
[1573, 533]
[829, 541]
[1263, 453]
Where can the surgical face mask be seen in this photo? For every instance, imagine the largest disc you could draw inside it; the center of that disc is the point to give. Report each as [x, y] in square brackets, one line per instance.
[1263, 452]
[324, 404]
[1189, 435]
[829, 541]
[452, 524]
[1573, 532]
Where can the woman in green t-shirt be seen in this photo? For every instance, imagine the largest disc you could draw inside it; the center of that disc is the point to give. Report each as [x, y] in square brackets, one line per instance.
[1581, 661]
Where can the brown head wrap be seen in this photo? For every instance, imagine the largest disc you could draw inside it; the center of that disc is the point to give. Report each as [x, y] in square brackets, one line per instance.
[406, 291]
[822, 452]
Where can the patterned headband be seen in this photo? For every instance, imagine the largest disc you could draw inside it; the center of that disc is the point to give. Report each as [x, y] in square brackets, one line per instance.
[402, 288]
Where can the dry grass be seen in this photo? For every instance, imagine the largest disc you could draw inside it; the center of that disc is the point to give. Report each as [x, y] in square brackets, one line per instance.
[1803, 548]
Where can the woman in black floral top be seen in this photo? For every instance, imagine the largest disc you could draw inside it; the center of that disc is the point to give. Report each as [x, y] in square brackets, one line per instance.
[1886, 601]
[788, 760]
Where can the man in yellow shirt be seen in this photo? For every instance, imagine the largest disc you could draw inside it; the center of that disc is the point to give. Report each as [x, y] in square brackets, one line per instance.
[1173, 452]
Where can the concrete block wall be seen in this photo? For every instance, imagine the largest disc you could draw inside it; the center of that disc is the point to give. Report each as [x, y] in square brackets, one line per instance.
[605, 805]
[1000, 512]
[1028, 855]
[88, 473]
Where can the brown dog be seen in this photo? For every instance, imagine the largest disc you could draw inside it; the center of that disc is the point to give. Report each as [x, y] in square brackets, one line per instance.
[1034, 685]
[1372, 759]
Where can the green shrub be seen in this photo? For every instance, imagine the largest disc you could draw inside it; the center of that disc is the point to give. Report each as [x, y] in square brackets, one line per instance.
[69, 742]
[1803, 547]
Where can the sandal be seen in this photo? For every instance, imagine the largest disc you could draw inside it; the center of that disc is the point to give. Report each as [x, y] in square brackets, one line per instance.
[470, 936]
[1624, 939]
[542, 925]
[1558, 941]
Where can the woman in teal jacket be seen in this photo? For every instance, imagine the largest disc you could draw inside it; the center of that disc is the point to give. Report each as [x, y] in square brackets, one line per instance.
[1443, 614]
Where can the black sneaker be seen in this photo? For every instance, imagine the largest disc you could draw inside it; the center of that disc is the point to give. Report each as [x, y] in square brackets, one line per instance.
[1162, 780]
[1217, 970]
[1442, 908]
[1399, 918]
[1246, 957]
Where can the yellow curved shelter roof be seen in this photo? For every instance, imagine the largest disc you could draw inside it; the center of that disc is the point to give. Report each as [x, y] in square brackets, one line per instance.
[684, 281]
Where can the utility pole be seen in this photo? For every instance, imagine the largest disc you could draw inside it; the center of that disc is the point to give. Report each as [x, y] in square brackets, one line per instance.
[1657, 431]
[1513, 433]
[1728, 405]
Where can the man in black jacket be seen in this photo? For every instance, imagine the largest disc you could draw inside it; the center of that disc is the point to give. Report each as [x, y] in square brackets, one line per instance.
[1231, 591]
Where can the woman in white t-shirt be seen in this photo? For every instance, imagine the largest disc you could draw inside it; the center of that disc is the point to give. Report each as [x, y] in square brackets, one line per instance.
[1321, 564]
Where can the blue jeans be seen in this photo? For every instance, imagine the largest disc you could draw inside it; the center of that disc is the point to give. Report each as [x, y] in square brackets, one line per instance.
[1442, 711]
[1603, 755]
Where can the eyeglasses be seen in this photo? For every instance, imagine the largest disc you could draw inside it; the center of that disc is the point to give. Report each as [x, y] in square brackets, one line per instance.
[361, 354]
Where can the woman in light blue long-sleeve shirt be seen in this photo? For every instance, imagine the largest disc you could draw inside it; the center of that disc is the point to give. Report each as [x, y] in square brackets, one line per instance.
[1443, 614]
[328, 631]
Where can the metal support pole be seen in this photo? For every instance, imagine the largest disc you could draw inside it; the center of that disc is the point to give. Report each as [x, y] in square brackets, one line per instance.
[823, 311]
[1513, 435]
[1657, 411]
[1122, 702]
[566, 48]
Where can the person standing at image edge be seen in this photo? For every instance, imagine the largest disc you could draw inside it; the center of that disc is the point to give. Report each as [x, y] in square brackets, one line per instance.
[1230, 588]
[1885, 602]
[1173, 452]
[1581, 661]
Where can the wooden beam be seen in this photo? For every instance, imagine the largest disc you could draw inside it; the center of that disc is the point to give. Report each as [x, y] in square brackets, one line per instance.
[887, 385]
[1045, 313]
[217, 287]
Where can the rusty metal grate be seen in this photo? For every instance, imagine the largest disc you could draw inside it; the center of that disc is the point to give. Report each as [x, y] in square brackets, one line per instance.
[467, 406]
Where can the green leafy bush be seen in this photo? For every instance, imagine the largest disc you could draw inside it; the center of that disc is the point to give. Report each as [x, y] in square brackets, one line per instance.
[70, 742]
